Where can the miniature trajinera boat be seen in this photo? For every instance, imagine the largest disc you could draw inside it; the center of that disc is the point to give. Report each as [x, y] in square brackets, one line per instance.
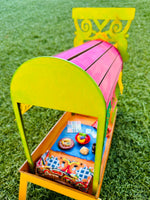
[83, 81]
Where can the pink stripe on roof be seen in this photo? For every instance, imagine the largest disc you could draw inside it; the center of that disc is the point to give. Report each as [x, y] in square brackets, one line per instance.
[99, 69]
[74, 51]
[89, 57]
[108, 84]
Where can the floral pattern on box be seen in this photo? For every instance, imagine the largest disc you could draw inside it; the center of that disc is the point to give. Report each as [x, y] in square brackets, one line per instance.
[64, 170]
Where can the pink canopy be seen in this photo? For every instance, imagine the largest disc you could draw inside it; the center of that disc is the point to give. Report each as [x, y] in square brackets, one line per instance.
[101, 60]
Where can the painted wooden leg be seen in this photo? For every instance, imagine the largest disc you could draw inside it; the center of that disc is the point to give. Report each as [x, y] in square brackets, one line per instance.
[23, 187]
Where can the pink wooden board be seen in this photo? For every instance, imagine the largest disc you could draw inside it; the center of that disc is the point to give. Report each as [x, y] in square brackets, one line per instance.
[98, 70]
[77, 50]
[108, 84]
[88, 58]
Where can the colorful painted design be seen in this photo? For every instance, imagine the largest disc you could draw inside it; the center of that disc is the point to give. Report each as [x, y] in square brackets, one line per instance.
[64, 170]
[82, 138]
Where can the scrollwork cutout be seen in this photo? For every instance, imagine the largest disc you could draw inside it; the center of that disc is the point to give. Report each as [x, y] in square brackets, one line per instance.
[116, 33]
[86, 26]
[116, 27]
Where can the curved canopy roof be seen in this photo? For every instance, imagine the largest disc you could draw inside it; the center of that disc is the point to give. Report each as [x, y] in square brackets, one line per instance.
[101, 60]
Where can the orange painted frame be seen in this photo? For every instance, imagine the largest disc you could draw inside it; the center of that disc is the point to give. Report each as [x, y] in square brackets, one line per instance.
[47, 142]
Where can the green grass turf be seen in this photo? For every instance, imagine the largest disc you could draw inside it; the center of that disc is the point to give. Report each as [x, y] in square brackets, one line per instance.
[34, 28]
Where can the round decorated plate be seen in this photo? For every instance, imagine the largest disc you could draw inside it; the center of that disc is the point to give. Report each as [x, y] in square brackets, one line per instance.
[66, 143]
[82, 138]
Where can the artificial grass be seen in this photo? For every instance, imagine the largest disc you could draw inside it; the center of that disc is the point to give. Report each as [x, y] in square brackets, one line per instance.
[35, 28]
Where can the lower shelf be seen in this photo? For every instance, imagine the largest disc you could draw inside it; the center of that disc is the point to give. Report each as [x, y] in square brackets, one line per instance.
[47, 143]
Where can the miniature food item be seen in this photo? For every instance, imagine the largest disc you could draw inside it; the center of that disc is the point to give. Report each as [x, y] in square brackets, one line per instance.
[66, 143]
[84, 150]
[93, 148]
[82, 138]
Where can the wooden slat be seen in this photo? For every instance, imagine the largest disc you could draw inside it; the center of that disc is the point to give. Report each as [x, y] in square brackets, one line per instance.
[77, 50]
[98, 70]
[87, 59]
[113, 61]
[108, 84]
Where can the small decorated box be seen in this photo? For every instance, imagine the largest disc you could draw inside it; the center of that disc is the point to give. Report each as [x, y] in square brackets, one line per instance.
[65, 169]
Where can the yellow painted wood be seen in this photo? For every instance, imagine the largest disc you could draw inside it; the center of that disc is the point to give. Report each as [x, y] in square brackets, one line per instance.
[103, 13]
[120, 84]
[84, 18]
[22, 133]
[58, 84]
[23, 187]
[106, 154]
[24, 108]
[54, 186]
[98, 154]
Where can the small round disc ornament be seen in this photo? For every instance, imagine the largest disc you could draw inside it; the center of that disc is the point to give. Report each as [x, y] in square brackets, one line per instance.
[66, 143]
